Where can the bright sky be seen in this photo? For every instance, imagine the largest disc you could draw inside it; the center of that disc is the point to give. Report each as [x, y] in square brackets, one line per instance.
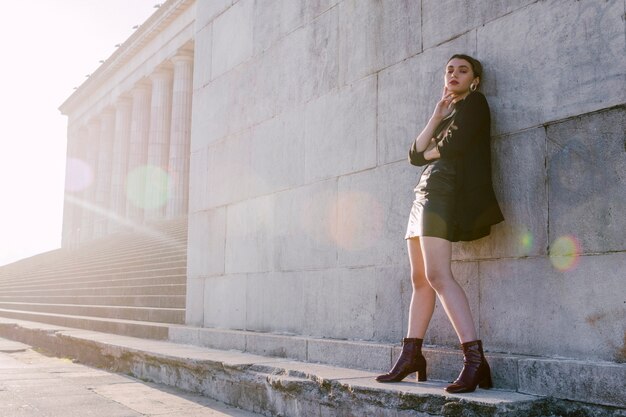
[47, 48]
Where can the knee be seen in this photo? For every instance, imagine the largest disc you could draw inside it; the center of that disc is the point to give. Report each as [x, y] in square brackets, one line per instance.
[418, 280]
[438, 280]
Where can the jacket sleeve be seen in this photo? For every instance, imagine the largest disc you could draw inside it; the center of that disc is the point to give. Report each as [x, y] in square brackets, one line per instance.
[415, 157]
[472, 117]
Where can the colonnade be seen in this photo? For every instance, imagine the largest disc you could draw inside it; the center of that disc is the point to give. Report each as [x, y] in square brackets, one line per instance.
[129, 163]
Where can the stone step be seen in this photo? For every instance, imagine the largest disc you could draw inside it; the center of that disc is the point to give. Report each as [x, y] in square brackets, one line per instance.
[158, 301]
[141, 329]
[165, 290]
[112, 273]
[283, 387]
[136, 263]
[88, 283]
[151, 314]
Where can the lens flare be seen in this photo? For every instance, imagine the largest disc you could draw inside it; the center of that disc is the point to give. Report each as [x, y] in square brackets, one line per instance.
[146, 187]
[79, 175]
[565, 252]
[360, 221]
[527, 242]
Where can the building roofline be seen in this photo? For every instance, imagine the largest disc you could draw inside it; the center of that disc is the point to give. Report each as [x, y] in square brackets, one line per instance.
[148, 30]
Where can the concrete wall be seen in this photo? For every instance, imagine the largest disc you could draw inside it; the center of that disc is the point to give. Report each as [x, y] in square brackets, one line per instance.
[303, 113]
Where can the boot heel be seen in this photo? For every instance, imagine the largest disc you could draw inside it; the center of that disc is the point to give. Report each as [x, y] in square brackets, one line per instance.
[421, 372]
[486, 382]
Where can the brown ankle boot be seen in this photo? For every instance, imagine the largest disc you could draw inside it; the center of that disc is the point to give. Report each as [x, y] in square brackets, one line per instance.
[410, 360]
[475, 370]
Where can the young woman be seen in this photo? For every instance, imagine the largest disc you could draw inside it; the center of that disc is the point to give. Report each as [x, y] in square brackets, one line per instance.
[454, 201]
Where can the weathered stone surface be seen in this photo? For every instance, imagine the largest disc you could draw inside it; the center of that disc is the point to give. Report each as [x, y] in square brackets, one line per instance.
[373, 208]
[349, 355]
[527, 306]
[197, 180]
[564, 81]
[295, 14]
[309, 62]
[206, 11]
[407, 95]
[232, 37]
[340, 303]
[277, 346]
[340, 131]
[596, 383]
[519, 179]
[393, 293]
[267, 24]
[207, 236]
[225, 301]
[376, 34]
[275, 302]
[250, 244]
[445, 20]
[586, 175]
[202, 57]
[194, 302]
[305, 222]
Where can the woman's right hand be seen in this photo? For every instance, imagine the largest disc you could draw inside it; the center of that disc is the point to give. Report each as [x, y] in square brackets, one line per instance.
[445, 106]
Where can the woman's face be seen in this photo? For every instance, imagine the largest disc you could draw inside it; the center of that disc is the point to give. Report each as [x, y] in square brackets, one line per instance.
[459, 76]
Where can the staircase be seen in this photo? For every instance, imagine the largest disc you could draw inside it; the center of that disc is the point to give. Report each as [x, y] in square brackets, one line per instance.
[128, 283]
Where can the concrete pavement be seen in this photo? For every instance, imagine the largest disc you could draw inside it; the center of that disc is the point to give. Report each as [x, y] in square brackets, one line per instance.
[33, 384]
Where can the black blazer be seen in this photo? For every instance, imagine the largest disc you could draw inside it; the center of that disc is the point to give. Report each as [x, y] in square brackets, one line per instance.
[470, 146]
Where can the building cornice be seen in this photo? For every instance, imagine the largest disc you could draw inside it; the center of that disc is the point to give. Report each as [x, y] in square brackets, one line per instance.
[150, 29]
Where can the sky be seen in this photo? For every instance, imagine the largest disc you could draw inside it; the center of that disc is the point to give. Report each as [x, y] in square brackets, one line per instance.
[47, 48]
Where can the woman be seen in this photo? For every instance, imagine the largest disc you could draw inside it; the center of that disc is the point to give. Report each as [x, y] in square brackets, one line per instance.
[454, 201]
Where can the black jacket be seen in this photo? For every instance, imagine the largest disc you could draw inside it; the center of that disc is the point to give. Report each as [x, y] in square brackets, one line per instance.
[470, 146]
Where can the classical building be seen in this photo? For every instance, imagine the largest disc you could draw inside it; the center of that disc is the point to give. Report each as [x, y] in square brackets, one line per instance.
[129, 131]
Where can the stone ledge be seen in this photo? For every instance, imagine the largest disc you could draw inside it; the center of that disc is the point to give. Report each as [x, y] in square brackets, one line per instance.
[603, 382]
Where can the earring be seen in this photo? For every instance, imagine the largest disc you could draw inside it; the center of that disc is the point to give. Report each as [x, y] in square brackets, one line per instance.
[473, 87]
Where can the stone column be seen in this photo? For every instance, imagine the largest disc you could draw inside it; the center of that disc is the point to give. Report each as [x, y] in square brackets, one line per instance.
[91, 153]
[180, 136]
[103, 176]
[71, 212]
[159, 144]
[138, 151]
[119, 170]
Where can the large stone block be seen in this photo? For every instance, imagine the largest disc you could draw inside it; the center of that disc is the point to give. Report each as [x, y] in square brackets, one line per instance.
[210, 113]
[340, 131]
[308, 59]
[554, 79]
[298, 13]
[194, 305]
[447, 19]
[207, 235]
[197, 180]
[274, 302]
[340, 303]
[232, 37]
[250, 235]
[519, 178]
[225, 302]
[202, 57]
[373, 208]
[267, 24]
[527, 306]
[393, 282]
[206, 11]
[305, 225]
[408, 93]
[596, 383]
[375, 34]
[587, 182]
[282, 135]
[228, 171]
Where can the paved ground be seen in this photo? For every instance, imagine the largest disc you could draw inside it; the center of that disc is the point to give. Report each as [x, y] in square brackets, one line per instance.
[32, 384]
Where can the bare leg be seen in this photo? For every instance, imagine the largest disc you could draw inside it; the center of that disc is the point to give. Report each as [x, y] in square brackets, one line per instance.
[437, 255]
[423, 297]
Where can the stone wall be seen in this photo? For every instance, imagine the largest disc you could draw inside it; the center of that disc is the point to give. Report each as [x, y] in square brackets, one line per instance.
[303, 113]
